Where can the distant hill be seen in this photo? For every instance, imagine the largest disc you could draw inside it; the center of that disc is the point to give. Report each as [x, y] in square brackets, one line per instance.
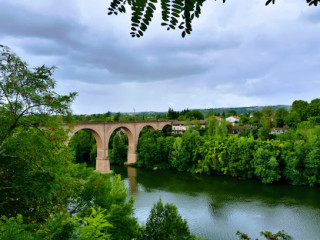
[239, 110]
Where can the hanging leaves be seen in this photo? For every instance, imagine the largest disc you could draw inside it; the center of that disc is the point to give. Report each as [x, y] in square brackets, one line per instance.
[174, 13]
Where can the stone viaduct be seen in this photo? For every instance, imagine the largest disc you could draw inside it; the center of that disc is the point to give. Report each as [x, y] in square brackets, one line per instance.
[103, 130]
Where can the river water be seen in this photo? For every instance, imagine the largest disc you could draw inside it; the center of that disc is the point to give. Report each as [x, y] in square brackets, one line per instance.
[216, 207]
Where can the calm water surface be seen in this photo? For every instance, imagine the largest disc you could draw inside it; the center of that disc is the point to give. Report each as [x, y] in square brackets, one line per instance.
[216, 207]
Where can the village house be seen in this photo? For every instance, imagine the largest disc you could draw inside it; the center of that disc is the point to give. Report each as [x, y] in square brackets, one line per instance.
[233, 119]
[237, 129]
[181, 127]
[279, 130]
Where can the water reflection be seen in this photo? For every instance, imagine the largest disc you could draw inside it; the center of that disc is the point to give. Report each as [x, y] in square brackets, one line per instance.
[132, 175]
[216, 207]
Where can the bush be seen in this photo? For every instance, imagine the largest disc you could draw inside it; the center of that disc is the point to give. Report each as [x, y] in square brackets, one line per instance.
[164, 222]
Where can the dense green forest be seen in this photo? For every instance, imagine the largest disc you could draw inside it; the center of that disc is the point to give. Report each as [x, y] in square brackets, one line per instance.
[292, 157]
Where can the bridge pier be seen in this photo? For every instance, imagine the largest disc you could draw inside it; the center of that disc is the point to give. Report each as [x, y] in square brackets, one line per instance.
[103, 164]
[132, 158]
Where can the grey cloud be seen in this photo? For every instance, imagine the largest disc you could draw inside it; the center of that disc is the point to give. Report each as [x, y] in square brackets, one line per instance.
[239, 59]
[19, 22]
[46, 35]
[44, 47]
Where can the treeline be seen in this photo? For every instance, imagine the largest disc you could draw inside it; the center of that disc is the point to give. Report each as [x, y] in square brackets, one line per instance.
[292, 157]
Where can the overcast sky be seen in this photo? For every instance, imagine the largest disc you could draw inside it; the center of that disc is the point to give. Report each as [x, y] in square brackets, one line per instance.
[240, 53]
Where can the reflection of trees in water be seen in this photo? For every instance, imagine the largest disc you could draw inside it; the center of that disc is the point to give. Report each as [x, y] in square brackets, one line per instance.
[222, 190]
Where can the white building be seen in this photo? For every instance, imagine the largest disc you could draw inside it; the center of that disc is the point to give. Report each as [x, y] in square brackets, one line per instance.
[180, 127]
[233, 119]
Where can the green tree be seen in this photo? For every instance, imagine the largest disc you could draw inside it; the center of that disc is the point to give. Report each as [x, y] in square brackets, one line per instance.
[266, 166]
[153, 149]
[268, 117]
[300, 107]
[222, 129]
[256, 118]
[32, 152]
[38, 178]
[210, 113]
[211, 126]
[313, 109]
[117, 117]
[164, 222]
[292, 119]
[82, 143]
[172, 114]
[280, 115]
[194, 115]
[244, 120]
[264, 133]
[180, 158]
[119, 150]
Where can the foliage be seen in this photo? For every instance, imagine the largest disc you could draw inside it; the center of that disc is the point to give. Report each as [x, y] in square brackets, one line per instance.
[194, 115]
[280, 115]
[179, 156]
[13, 229]
[38, 178]
[82, 143]
[244, 120]
[153, 149]
[164, 222]
[211, 126]
[300, 107]
[281, 235]
[222, 129]
[93, 226]
[292, 119]
[268, 117]
[175, 14]
[264, 132]
[118, 152]
[313, 109]
[32, 151]
[173, 114]
[266, 165]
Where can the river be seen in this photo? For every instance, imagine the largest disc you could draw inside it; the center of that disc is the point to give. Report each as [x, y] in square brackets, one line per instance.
[216, 206]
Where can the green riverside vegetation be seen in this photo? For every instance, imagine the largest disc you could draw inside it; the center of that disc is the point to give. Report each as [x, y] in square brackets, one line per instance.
[292, 157]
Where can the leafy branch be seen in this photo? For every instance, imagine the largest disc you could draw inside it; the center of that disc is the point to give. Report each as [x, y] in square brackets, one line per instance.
[174, 13]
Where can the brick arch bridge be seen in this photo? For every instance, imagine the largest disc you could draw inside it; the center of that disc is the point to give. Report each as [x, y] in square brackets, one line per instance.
[102, 132]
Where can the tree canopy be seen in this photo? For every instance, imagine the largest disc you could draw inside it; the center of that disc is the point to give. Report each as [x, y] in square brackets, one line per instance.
[176, 14]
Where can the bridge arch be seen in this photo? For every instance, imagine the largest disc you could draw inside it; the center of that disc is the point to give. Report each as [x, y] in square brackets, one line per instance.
[139, 129]
[97, 137]
[102, 163]
[130, 132]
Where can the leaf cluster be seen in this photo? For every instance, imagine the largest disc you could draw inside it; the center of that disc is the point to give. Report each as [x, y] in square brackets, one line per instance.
[176, 14]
